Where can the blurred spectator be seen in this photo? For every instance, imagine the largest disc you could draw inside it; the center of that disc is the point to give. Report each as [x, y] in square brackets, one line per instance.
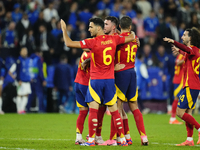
[174, 30]
[147, 55]
[6, 20]
[142, 80]
[181, 30]
[104, 5]
[16, 14]
[194, 21]
[160, 13]
[150, 24]
[115, 11]
[196, 9]
[139, 22]
[169, 73]
[23, 78]
[28, 40]
[61, 47]
[62, 81]
[45, 42]
[129, 12]
[85, 15]
[23, 26]
[145, 7]
[153, 43]
[122, 13]
[161, 55]
[9, 36]
[50, 12]
[183, 14]
[40, 21]
[81, 28]
[73, 16]
[56, 31]
[33, 13]
[52, 24]
[156, 6]
[170, 8]
[37, 80]
[163, 30]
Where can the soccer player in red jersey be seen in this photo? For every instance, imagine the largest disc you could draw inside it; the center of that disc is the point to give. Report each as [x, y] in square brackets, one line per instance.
[191, 82]
[110, 28]
[101, 84]
[81, 86]
[125, 79]
[178, 85]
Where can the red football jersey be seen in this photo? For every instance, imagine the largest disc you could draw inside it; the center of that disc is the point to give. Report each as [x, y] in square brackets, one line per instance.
[126, 53]
[178, 72]
[82, 77]
[191, 69]
[102, 50]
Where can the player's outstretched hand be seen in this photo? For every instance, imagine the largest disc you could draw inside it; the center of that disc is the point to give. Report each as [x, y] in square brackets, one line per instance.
[175, 50]
[168, 40]
[63, 25]
[119, 66]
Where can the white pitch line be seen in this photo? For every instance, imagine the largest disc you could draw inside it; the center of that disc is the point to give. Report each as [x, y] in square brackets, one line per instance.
[16, 148]
[155, 143]
[39, 139]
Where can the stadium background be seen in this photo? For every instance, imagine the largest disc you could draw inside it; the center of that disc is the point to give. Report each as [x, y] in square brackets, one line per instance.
[152, 20]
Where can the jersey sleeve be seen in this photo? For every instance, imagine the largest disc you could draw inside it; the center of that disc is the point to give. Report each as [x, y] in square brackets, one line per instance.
[87, 43]
[119, 39]
[187, 49]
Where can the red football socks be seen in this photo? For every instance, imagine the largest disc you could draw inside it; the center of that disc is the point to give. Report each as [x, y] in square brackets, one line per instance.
[118, 123]
[80, 121]
[139, 122]
[174, 106]
[189, 129]
[126, 127]
[113, 130]
[92, 122]
[189, 119]
[100, 115]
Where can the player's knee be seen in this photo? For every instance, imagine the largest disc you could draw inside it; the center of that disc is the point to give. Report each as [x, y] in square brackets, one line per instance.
[179, 112]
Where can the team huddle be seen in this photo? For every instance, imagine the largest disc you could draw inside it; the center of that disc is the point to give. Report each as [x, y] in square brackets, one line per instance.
[110, 79]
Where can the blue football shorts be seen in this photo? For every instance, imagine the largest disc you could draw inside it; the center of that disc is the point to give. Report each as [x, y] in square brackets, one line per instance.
[188, 98]
[102, 91]
[177, 89]
[126, 85]
[81, 91]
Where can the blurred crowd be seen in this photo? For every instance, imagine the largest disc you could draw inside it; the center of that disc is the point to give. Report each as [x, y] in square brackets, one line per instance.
[35, 26]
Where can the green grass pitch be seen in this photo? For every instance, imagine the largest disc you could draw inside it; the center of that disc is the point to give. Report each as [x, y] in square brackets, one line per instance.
[57, 132]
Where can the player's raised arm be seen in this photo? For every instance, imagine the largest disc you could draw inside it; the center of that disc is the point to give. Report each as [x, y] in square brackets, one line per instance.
[177, 44]
[130, 38]
[67, 39]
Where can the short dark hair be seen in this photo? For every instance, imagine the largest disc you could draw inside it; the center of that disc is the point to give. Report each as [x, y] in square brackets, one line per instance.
[195, 36]
[113, 19]
[125, 22]
[97, 22]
